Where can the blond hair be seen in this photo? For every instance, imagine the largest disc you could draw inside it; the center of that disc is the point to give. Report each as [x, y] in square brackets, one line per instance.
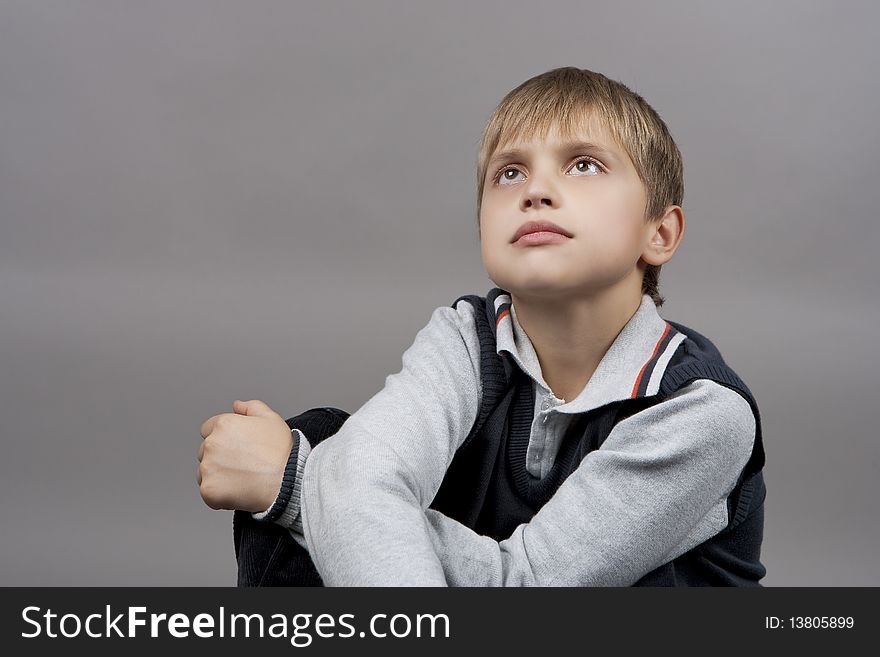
[568, 97]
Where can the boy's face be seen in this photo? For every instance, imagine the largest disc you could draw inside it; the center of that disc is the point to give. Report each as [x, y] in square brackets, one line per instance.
[593, 193]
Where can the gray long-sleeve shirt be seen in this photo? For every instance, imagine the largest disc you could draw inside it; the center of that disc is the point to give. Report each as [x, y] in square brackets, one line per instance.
[656, 487]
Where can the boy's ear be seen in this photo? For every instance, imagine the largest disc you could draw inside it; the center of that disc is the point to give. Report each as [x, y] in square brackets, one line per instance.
[664, 236]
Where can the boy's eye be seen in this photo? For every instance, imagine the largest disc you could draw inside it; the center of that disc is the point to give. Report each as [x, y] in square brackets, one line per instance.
[588, 162]
[508, 170]
[590, 167]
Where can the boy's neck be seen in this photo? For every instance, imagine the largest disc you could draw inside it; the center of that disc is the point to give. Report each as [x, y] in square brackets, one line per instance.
[571, 336]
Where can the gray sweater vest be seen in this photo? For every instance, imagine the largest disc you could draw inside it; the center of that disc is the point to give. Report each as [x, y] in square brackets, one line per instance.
[488, 488]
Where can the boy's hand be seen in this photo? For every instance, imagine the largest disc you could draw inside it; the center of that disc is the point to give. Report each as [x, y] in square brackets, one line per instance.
[243, 456]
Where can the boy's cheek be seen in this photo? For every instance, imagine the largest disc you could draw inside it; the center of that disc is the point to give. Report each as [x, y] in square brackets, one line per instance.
[489, 256]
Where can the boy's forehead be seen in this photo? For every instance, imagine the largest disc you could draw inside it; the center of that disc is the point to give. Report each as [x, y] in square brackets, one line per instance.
[586, 133]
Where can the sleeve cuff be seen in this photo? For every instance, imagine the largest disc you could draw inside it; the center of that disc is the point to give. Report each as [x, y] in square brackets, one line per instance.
[285, 510]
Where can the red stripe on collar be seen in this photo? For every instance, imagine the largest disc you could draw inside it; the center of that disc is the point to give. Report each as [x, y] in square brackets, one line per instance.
[645, 366]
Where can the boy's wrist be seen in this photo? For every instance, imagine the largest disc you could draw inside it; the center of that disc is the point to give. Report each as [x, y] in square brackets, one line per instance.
[285, 510]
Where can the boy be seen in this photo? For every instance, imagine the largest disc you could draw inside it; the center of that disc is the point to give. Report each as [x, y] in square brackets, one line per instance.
[556, 432]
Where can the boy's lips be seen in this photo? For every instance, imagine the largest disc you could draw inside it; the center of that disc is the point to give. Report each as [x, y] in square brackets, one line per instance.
[537, 227]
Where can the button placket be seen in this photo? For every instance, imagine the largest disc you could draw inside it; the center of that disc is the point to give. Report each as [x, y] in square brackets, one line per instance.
[545, 405]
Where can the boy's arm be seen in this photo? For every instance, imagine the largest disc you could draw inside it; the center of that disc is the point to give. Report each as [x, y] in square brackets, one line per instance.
[364, 491]
[656, 487]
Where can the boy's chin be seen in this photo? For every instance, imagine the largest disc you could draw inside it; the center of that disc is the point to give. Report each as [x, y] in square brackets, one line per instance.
[541, 290]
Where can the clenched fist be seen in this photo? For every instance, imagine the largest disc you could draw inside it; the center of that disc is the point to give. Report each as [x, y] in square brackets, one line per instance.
[243, 456]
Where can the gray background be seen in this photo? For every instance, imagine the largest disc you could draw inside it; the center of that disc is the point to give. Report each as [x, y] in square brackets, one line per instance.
[204, 201]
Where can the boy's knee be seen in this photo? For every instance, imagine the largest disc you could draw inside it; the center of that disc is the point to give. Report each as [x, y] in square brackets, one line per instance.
[268, 556]
[318, 423]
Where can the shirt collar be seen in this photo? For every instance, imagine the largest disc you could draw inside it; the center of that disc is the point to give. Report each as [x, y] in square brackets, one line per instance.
[632, 367]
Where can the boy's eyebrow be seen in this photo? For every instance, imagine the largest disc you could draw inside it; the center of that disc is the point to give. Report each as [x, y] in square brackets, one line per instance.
[567, 147]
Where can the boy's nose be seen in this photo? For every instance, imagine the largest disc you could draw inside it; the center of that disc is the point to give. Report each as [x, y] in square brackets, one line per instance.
[538, 201]
[537, 198]
[538, 192]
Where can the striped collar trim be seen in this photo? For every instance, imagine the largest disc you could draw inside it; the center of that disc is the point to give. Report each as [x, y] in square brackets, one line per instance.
[632, 367]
